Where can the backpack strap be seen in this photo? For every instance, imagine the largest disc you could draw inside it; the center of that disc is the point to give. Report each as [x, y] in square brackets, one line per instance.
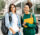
[31, 15]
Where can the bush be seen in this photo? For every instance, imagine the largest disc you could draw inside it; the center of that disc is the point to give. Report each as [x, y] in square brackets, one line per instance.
[2, 4]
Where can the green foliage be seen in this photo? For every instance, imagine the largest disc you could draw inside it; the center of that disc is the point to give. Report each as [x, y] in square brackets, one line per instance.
[2, 4]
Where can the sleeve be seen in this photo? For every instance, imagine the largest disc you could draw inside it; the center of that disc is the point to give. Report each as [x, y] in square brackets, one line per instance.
[7, 23]
[34, 24]
[19, 22]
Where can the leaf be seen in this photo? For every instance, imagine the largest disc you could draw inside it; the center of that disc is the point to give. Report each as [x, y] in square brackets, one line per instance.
[2, 4]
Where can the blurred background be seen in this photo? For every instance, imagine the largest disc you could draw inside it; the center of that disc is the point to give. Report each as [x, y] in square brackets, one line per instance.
[4, 4]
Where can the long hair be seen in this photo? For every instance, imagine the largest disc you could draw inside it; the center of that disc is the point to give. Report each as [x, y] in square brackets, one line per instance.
[10, 7]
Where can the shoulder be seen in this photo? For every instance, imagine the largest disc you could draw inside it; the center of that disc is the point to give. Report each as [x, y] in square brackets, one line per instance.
[32, 14]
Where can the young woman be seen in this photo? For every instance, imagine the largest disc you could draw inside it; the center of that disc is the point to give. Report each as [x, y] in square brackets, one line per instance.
[29, 20]
[15, 23]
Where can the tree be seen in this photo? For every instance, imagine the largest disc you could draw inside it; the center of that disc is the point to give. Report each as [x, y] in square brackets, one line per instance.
[2, 4]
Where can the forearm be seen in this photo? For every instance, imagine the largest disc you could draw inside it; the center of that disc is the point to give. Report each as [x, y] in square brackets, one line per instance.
[12, 30]
[30, 25]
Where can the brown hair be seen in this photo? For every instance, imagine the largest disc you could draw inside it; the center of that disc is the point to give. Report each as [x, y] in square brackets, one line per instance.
[29, 4]
[10, 7]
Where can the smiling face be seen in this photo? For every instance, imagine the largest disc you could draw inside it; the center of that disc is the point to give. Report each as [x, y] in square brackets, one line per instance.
[26, 9]
[13, 8]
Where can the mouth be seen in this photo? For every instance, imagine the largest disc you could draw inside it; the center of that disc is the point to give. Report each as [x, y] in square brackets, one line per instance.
[26, 10]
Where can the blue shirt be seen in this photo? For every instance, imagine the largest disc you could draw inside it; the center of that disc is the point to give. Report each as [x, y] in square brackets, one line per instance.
[8, 23]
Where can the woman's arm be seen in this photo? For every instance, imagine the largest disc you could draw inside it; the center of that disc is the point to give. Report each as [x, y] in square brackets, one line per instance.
[32, 25]
[12, 30]
[7, 23]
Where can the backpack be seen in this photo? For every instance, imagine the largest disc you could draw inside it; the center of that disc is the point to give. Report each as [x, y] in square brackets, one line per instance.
[4, 29]
[36, 28]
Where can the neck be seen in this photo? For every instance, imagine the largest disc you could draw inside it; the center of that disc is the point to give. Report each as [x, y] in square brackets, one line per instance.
[27, 13]
[13, 12]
